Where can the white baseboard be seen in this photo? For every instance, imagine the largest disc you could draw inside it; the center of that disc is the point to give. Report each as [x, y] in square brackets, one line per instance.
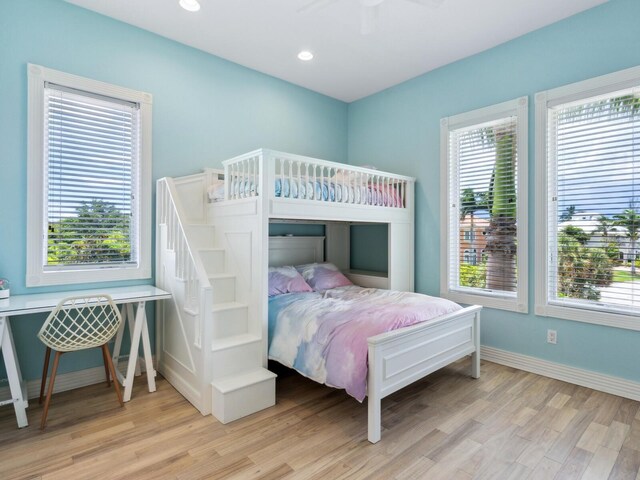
[585, 378]
[68, 381]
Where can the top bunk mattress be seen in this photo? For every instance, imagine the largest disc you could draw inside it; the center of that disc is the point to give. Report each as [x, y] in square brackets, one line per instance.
[323, 335]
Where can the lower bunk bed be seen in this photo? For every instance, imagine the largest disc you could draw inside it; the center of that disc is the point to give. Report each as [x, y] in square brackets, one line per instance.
[368, 341]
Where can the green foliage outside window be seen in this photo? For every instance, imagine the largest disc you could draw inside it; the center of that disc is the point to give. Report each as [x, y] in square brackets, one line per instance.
[576, 232]
[473, 275]
[98, 233]
[582, 270]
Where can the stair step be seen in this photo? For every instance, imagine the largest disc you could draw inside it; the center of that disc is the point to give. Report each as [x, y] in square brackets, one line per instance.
[223, 287]
[213, 259]
[236, 382]
[230, 320]
[233, 341]
[236, 396]
[234, 355]
[220, 276]
[201, 235]
[228, 306]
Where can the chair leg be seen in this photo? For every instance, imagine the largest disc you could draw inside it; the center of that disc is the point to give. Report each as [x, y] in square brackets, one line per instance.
[116, 384]
[56, 360]
[106, 366]
[45, 371]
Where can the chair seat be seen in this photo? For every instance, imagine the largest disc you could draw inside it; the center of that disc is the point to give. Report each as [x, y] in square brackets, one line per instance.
[81, 344]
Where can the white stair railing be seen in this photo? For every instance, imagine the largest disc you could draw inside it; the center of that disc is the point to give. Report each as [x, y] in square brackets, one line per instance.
[188, 267]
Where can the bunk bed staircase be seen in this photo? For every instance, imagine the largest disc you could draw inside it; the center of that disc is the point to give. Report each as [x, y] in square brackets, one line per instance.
[226, 377]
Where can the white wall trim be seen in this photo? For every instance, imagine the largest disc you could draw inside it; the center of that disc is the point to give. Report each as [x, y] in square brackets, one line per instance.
[67, 381]
[578, 376]
[546, 188]
[449, 197]
[37, 182]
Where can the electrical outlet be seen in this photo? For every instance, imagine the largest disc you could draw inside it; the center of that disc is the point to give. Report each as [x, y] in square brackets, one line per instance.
[552, 336]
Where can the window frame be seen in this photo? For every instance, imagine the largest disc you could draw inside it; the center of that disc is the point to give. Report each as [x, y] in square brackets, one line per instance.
[513, 108]
[579, 91]
[36, 274]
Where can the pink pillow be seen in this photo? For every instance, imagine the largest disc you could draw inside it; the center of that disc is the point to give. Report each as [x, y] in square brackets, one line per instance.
[323, 276]
[286, 280]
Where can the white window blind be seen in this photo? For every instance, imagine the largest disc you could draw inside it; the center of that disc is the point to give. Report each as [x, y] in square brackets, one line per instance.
[593, 218]
[91, 150]
[484, 161]
[484, 201]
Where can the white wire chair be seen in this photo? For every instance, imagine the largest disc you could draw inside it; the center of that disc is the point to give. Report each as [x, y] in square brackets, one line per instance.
[79, 323]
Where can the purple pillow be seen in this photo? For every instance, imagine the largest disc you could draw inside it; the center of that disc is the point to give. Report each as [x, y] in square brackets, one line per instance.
[286, 280]
[323, 276]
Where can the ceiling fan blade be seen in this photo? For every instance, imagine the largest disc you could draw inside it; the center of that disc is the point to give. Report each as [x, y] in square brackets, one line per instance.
[369, 19]
[315, 5]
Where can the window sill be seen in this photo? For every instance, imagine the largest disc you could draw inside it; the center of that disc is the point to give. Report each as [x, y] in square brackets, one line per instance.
[596, 317]
[490, 301]
[70, 277]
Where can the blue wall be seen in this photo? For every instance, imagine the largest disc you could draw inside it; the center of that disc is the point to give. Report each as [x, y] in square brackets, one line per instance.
[398, 130]
[205, 109]
[296, 229]
[370, 247]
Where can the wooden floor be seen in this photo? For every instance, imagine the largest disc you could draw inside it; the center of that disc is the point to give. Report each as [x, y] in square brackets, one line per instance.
[508, 424]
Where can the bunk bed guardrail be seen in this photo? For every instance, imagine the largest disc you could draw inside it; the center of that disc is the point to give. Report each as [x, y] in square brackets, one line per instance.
[297, 177]
[187, 269]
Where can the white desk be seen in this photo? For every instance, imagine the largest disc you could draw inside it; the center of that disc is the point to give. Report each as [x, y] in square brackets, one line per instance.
[46, 302]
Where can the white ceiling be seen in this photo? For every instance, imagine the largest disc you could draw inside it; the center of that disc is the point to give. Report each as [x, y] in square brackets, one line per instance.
[410, 39]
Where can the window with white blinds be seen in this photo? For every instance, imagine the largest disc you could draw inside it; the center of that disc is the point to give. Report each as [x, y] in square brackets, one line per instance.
[89, 175]
[592, 194]
[484, 196]
[92, 153]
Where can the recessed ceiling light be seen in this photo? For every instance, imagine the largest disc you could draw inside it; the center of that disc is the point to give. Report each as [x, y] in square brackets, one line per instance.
[305, 55]
[190, 5]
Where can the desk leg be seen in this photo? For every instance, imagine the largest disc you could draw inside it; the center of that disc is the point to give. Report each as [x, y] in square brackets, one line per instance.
[140, 329]
[126, 312]
[131, 319]
[118, 343]
[20, 403]
[148, 358]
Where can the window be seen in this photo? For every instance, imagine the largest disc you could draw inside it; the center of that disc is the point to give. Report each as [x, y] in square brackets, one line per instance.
[588, 165]
[89, 186]
[484, 206]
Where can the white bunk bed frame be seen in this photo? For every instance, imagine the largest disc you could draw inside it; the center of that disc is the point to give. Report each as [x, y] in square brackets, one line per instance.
[193, 231]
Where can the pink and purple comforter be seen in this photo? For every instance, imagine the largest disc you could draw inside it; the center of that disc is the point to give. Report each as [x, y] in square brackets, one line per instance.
[323, 335]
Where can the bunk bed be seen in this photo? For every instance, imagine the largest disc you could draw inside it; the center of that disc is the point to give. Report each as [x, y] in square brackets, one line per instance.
[214, 252]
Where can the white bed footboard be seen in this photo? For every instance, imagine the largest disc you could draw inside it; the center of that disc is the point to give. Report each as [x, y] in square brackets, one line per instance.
[400, 357]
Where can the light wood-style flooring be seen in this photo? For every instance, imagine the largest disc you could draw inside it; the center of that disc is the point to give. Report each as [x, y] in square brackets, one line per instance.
[509, 424]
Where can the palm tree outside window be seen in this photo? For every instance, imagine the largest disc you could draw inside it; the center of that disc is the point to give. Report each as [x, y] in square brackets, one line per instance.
[486, 193]
[589, 164]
